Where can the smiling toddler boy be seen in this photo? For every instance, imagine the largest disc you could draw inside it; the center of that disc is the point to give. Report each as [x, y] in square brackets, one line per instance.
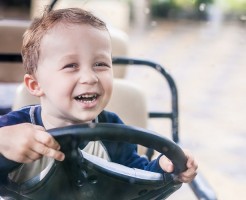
[67, 57]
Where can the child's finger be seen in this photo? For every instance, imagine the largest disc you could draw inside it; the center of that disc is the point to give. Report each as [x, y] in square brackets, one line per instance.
[190, 172]
[191, 163]
[49, 152]
[32, 156]
[187, 177]
[166, 164]
[46, 139]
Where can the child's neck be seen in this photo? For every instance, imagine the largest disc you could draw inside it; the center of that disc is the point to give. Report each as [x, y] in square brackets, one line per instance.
[50, 122]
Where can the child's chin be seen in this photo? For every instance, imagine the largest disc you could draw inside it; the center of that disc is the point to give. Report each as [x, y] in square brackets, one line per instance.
[88, 118]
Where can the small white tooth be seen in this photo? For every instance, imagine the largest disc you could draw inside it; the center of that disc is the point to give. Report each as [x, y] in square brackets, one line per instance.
[84, 96]
[87, 95]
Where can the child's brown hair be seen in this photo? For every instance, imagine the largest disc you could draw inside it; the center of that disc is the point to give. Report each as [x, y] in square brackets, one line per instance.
[39, 27]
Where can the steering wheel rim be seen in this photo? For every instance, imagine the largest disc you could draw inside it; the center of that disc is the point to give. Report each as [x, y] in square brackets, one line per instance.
[106, 131]
[80, 176]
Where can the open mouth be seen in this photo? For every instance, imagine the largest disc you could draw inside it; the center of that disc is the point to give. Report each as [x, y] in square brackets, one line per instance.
[86, 98]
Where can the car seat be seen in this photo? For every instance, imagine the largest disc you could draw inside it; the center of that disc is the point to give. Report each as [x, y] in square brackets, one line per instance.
[11, 32]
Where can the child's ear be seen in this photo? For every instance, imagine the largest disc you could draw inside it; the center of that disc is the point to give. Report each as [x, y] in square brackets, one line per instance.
[32, 85]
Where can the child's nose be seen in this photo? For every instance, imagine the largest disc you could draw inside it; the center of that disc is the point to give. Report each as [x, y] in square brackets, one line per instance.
[88, 76]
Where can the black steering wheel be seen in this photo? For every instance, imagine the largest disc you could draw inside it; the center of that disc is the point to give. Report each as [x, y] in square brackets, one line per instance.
[83, 176]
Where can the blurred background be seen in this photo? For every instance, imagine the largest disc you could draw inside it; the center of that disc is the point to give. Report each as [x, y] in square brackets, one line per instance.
[202, 44]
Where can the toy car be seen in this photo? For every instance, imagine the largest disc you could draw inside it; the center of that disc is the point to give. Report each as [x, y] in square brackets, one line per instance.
[83, 176]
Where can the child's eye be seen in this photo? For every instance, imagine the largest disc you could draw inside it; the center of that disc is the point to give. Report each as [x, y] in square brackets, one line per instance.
[102, 64]
[71, 66]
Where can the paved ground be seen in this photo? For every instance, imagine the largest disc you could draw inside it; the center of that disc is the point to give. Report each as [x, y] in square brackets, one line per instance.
[208, 62]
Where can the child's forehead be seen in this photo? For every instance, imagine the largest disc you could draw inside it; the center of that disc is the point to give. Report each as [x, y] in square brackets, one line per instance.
[70, 36]
[65, 26]
[62, 27]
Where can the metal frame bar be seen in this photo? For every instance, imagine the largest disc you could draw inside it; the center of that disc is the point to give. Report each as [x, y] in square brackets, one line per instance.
[173, 115]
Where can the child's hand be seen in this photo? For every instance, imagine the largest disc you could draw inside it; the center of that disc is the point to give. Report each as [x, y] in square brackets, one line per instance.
[25, 143]
[186, 176]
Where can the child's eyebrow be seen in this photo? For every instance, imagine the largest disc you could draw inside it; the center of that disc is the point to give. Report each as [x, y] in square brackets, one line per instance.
[68, 57]
[103, 54]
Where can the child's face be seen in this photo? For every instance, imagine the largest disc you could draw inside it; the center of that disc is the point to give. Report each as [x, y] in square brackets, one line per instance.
[74, 74]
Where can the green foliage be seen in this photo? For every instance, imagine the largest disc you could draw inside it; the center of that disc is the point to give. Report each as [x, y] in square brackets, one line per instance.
[163, 8]
[234, 5]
